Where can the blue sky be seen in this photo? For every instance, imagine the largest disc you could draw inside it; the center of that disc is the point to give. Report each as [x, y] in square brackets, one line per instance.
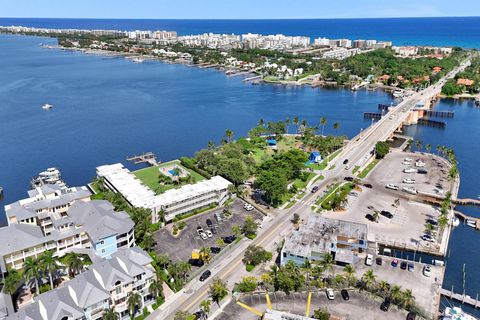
[238, 9]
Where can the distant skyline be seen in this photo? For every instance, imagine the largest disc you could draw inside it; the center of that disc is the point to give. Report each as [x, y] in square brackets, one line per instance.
[228, 9]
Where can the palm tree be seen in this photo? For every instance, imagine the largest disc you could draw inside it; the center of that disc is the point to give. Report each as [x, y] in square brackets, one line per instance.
[11, 281]
[73, 262]
[296, 122]
[133, 301]
[32, 269]
[407, 298]
[148, 241]
[396, 293]
[211, 145]
[163, 261]
[287, 123]
[182, 269]
[369, 278]
[323, 122]
[384, 287]
[419, 145]
[205, 306]
[156, 288]
[349, 271]
[336, 126]
[327, 263]
[49, 265]
[307, 265]
[442, 220]
[205, 254]
[236, 230]
[229, 135]
[428, 147]
[110, 314]
[261, 122]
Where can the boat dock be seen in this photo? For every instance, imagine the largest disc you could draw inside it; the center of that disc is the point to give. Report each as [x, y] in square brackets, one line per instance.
[252, 78]
[463, 298]
[464, 217]
[147, 157]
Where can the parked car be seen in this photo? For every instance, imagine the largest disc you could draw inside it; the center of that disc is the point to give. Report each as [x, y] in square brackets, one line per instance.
[386, 214]
[411, 267]
[205, 275]
[348, 179]
[370, 217]
[427, 270]
[411, 316]
[385, 305]
[218, 217]
[345, 294]
[213, 230]
[330, 294]
[422, 171]
[394, 263]
[432, 222]
[370, 208]
[229, 239]
[379, 261]
[369, 260]
[314, 189]
[203, 235]
[248, 207]
[209, 223]
[208, 233]
[196, 262]
[403, 265]
[215, 249]
[427, 237]
[199, 230]
[345, 161]
[392, 186]
[198, 314]
[368, 185]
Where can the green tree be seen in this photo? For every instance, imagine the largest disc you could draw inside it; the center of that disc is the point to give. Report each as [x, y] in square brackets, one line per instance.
[369, 279]
[327, 263]
[31, 271]
[229, 135]
[255, 255]
[349, 272]
[133, 302]
[323, 122]
[11, 281]
[248, 284]
[336, 126]
[182, 315]
[218, 290]
[110, 314]
[156, 287]
[205, 254]
[381, 149]
[205, 306]
[249, 228]
[321, 314]
[236, 230]
[148, 242]
[74, 262]
[49, 265]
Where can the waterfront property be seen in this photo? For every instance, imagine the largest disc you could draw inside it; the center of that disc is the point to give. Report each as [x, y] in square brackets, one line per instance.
[343, 239]
[173, 202]
[106, 284]
[84, 225]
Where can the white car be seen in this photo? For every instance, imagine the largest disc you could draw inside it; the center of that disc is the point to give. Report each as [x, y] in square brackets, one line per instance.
[410, 190]
[427, 271]
[409, 181]
[408, 159]
[369, 260]
[392, 186]
[208, 233]
[409, 170]
[248, 207]
[330, 294]
[419, 164]
[203, 235]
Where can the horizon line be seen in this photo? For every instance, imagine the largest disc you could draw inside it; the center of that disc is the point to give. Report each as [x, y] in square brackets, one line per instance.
[200, 19]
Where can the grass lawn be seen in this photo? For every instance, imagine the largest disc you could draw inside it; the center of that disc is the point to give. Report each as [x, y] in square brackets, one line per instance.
[284, 144]
[302, 184]
[323, 165]
[328, 193]
[150, 177]
[342, 194]
[355, 169]
[369, 168]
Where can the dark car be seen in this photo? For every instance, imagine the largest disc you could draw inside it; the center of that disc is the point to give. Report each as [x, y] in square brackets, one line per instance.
[432, 222]
[368, 185]
[403, 265]
[386, 214]
[379, 261]
[345, 295]
[229, 239]
[345, 161]
[198, 315]
[411, 316]
[205, 275]
[385, 305]
[348, 179]
[215, 249]
[394, 263]
[196, 262]
[314, 189]
[422, 171]
[370, 217]
[214, 231]
[209, 223]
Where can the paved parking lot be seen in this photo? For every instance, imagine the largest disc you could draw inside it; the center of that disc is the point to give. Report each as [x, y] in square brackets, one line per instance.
[358, 307]
[180, 248]
[425, 289]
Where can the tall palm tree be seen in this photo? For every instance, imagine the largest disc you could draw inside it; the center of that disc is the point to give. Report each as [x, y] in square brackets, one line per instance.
[296, 122]
[428, 147]
[419, 145]
[32, 269]
[211, 145]
[261, 122]
[369, 278]
[163, 261]
[336, 126]
[384, 287]
[183, 268]
[11, 281]
[73, 262]
[110, 314]
[229, 135]
[133, 302]
[287, 123]
[323, 122]
[205, 307]
[407, 298]
[307, 265]
[148, 241]
[396, 293]
[49, 265]
[156, 288]
[349, 271]
[327, 263]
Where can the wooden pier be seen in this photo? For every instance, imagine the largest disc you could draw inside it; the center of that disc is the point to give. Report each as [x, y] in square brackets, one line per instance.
[372, 115]
[384, 107]
[463, 298]
[439, 114]
[432, 123]
[147, 157]
[252, 78]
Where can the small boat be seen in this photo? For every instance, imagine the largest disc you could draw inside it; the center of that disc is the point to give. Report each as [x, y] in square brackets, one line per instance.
[455, 222]
[1, 192]
[47, 106]
[398, 93]
[471, 223]
[49, 176]
[456, 313]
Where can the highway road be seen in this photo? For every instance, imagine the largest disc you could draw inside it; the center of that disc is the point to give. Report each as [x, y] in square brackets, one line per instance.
[279, 224]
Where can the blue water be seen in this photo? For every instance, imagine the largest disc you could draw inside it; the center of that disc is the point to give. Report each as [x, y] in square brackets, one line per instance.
[458, 31]
[108, 108]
